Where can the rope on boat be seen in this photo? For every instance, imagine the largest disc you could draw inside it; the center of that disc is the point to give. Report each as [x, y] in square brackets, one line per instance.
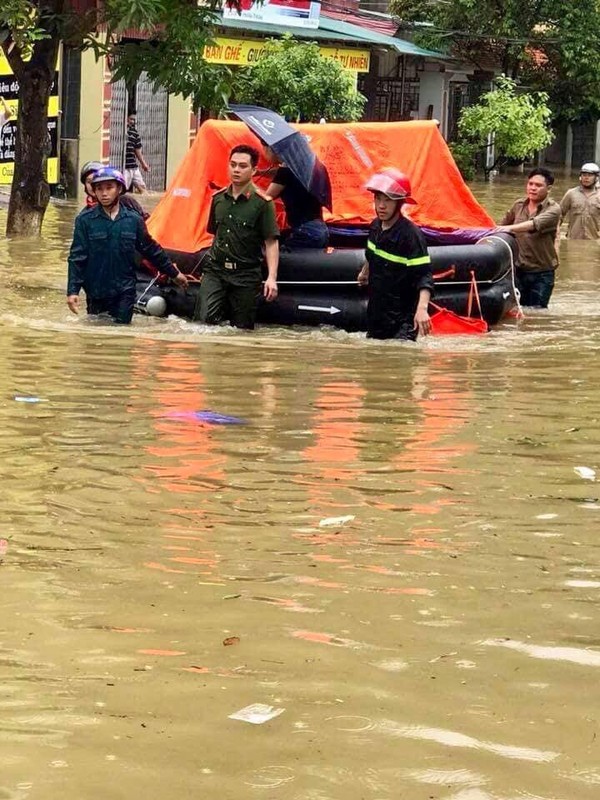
[517, 293]
[145, 292]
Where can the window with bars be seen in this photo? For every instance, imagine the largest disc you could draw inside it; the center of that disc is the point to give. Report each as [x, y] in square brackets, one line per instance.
[395, 98]
[70, 93]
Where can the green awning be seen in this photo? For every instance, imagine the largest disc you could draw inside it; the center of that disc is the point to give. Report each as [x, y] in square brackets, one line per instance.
[331, 30]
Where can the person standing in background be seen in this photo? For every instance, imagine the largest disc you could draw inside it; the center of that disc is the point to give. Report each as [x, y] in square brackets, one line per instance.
[134, 158]
[582, 205]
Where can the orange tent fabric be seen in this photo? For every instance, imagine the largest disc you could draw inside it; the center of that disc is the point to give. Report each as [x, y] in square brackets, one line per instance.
[352, 152]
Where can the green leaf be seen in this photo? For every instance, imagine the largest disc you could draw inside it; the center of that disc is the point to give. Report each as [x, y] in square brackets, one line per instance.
[299, 83]
[519, 123]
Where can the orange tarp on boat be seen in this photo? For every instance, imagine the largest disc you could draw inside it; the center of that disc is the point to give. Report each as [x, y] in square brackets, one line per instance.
[352, 152]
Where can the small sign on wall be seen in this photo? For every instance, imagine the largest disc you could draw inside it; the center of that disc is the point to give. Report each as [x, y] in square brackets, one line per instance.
[297, 13]
[9, 89]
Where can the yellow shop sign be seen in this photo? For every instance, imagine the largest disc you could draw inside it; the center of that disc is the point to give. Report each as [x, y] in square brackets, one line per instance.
[245, 52]
[9, 89]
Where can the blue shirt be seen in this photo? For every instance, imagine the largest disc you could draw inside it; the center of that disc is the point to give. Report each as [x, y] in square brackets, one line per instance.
[102, 259]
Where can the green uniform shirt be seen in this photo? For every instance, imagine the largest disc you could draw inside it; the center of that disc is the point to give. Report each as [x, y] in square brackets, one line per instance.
[241, 226]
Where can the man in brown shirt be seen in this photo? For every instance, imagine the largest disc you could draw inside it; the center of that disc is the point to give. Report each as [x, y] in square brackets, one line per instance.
[582, 205]
[534, 220]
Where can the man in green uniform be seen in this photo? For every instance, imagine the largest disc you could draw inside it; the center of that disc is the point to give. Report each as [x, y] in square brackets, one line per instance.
[242, 219]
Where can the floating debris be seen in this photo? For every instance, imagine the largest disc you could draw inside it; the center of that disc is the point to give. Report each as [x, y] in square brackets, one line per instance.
[586, 473]
[209, 417]
[19, 398]
[257, 713]
[331, 521]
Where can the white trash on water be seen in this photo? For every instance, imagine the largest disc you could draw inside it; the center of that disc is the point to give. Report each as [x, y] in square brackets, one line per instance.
[19, 398]
[586, 473]
[324, 523]
[257, 713]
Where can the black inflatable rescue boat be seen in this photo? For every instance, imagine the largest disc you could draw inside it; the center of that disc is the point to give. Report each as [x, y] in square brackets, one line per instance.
[318, 287]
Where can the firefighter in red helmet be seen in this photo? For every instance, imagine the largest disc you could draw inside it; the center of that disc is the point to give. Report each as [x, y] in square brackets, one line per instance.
[397, 270]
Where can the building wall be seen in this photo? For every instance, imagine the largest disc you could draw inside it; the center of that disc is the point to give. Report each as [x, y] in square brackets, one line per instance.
[180, 131]
[342, 5]
[556, 154]
[583, 144]
[92, 111]
[432, 92]
[94, 126]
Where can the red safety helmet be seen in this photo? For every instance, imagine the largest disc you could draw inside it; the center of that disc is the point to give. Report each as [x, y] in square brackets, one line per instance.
[392, 183]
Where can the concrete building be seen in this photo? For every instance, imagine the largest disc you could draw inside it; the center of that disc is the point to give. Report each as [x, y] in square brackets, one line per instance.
[399, 79]
[93, 121]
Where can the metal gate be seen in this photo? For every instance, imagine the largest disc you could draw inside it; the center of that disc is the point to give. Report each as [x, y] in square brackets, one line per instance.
[152, 119]
[584, 143]
[394, 98]
[118, 124]
[459, 99]
[463, 94]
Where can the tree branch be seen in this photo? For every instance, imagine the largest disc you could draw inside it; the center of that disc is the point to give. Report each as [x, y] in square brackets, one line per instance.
[14, 57]
[44, 54]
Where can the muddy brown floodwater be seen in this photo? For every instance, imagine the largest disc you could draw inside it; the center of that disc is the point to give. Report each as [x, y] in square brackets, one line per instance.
[399, 547]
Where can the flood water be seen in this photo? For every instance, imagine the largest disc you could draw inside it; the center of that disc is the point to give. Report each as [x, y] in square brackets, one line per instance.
[398, 546]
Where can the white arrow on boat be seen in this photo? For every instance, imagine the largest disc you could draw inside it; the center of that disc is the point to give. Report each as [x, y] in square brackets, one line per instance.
[325, 309]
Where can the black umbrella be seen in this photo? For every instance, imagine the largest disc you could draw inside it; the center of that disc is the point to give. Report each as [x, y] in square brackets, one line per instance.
[292, 148]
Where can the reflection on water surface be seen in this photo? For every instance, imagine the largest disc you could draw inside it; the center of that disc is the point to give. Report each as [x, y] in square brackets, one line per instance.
[162, 572]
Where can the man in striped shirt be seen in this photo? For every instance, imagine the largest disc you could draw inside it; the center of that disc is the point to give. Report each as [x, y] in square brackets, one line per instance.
[134, 158]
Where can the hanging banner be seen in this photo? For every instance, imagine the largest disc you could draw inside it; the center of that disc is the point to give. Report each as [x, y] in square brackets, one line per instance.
[290, 13]
[246, 52]
[9, 89]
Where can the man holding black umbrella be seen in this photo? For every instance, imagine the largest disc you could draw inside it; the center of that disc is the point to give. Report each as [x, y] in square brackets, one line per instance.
[303, 211]
[302, 180]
